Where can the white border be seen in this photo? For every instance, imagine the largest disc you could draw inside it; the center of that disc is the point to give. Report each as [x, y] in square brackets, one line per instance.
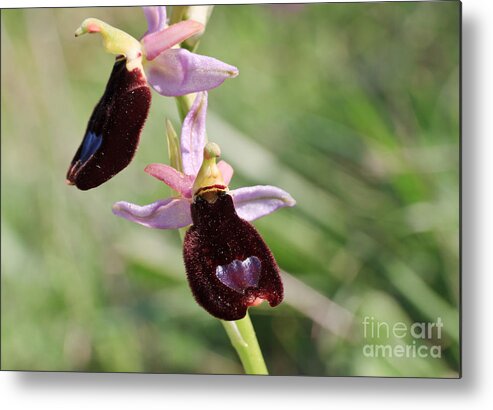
[93, 3]
[87, 391]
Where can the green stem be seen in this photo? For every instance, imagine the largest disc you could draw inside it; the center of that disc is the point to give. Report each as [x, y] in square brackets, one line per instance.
[240, 332]
[243, 338]
[184, 103]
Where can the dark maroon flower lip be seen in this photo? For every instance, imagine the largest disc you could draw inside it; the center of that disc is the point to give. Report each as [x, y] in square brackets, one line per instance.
[113, 132]
[229, 267]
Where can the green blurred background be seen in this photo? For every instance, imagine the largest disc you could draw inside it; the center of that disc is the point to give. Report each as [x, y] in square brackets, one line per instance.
[352, 108]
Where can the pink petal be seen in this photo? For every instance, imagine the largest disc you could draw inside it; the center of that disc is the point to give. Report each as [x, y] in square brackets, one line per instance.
[156, 18]
[178, 72]
[254, 202]
[171, 213]
[181, 183]
[226, 171]
[192, 138]
[157, 42]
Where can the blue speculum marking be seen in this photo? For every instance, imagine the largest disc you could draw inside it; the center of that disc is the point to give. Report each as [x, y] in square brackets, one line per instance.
[91, 144]
[240, 275]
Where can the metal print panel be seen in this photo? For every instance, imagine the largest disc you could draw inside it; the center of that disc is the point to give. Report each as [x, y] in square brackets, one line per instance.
[286, 202]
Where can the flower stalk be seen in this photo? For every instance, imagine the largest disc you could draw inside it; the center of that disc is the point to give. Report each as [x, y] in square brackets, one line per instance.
[184, 103]
[241, 332]
[242, 335]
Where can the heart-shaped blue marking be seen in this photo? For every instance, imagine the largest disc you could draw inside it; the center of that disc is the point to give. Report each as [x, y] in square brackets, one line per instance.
[240, 275]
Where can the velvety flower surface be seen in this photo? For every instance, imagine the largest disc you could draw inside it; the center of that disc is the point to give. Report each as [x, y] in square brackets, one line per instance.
[114, 129]
[229, 267]
[113, 132]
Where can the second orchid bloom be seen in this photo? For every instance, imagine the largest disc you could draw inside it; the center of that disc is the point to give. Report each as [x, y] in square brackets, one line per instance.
[229, 266]
[114, 129]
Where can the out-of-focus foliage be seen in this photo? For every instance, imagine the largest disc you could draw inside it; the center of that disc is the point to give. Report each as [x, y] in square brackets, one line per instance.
[352, 108]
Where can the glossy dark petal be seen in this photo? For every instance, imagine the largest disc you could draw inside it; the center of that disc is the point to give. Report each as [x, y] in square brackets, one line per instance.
[113, 131]
[228, 263]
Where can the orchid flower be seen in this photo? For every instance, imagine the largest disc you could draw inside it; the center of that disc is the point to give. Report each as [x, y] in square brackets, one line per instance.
[229, 266]
[176, 71]
[113, 132]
